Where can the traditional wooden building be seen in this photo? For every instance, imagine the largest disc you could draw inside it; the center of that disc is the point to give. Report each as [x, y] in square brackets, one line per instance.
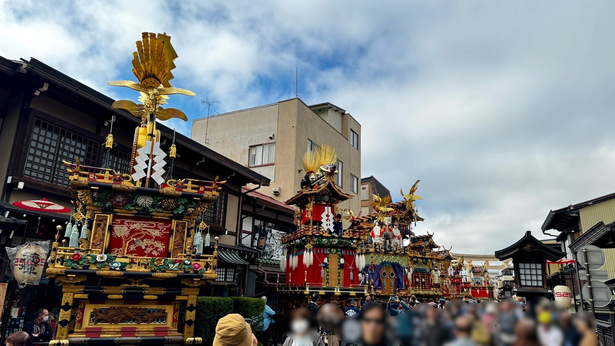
[47, 117]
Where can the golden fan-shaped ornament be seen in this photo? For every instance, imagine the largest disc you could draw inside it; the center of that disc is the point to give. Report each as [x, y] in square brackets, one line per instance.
[326, 155]
[152, 64]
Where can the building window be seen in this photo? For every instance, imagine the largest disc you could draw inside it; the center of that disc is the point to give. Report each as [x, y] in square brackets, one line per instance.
[215, 212]
[225, 274]
[230, 274]
[119, 161]
[364, 193]
[220, 272]
[340, 173]
[354, 139]
[263, 154]
[49, 145]
[530, 274]
[311, 146]
[354, 184]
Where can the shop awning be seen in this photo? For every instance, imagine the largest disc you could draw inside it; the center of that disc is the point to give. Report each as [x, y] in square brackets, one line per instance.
[231, 257]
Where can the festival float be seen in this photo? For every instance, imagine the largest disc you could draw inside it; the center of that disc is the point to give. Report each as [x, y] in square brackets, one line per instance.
[481, 287]
[132, 258]
[319, 254]
[377, 255]
[468, 281]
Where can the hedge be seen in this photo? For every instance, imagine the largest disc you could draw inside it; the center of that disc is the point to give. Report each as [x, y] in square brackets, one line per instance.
[210, 309]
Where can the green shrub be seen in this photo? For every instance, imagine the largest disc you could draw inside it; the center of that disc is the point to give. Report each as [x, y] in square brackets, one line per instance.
[250, 308]
[210, 309]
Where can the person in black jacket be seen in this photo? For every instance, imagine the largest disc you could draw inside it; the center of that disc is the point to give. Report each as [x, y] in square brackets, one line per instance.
[38, 328]
[313, 306]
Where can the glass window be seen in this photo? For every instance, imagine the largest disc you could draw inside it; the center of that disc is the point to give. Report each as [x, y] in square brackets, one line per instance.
[354, 139]
[49, 145]
[354, 184]
[263, 154]
[268, 153]
[340, 173]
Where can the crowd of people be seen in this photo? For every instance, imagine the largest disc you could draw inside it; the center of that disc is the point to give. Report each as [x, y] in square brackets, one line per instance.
[410, 322]
[35, 330]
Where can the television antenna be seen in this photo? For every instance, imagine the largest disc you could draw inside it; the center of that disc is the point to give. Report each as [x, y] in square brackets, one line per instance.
[208, 103]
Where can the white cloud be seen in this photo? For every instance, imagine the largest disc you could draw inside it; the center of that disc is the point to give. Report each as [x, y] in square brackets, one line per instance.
[503, 109]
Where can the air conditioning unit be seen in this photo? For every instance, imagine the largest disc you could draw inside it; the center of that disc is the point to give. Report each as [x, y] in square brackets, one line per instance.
[276, 191]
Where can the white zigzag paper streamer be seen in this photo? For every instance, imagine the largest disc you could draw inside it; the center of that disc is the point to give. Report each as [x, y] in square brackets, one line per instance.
[141, 159]
[327, 219]
[159, 156]
[144, 166]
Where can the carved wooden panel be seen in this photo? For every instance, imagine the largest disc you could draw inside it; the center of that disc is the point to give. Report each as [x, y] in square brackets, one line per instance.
[130, 315]
[180, 229]
[100, 228]
[189, 236]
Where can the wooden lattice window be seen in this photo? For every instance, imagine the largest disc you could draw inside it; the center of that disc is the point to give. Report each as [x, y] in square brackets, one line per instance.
[221, 274]
[49, 145]
[215, 212]
[119, 161]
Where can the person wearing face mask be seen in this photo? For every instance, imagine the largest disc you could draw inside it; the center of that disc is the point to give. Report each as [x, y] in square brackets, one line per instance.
[38, 328]
[302, 331]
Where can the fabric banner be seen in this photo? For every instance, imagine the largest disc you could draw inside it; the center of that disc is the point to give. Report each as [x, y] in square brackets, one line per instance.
[138, 236]
[273, 247]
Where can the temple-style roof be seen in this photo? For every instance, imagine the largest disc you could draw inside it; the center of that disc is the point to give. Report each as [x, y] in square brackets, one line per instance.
[328, 190]
[425, 240]
[600, 235]
[529, 244]
[400, 210]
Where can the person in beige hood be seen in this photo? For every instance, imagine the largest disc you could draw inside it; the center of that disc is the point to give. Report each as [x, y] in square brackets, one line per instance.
[232, 330]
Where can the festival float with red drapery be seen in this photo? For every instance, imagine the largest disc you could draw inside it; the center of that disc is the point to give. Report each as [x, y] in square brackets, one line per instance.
[134, 254]
[377, 254]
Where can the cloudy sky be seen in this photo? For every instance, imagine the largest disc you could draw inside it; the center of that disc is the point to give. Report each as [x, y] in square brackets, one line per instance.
[504, 109]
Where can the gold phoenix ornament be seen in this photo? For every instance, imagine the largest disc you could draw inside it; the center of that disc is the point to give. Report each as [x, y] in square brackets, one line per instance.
[411, 197]
[382, 205]
[152, 64]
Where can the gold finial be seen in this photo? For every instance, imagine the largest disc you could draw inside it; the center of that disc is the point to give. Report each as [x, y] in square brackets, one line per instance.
[173, 151]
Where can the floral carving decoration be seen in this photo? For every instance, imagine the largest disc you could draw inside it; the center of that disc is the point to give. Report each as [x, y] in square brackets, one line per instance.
[139, 237]
[143, 202]
[77, 261]
[168, 264]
